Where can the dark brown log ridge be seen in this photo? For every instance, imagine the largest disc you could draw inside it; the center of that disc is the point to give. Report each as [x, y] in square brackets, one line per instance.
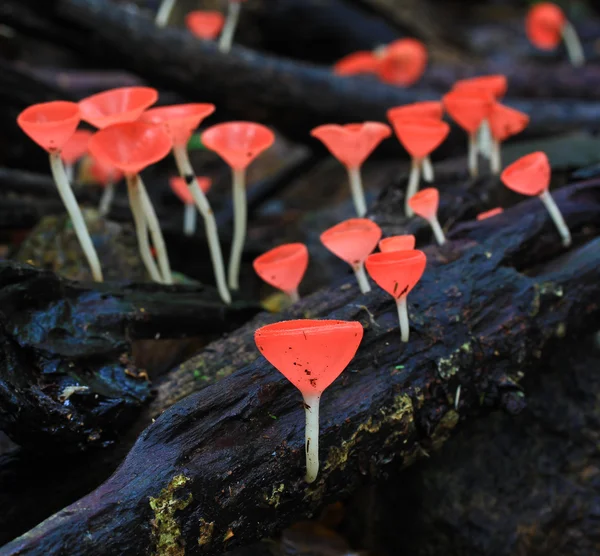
[224, 466]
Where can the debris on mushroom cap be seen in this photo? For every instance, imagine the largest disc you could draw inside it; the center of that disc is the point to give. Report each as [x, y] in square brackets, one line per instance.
[420, 136]
[76, 147]
[238, 143]
[124, 104]
[205, 24]
[544, 24]
[397, 243]
[529, 175]
[352, 240]
[179, 120]
[505, 121]
[468, 108]
[396, 272]
[181, 188]
[403, 62]
[284, 266]
[425, 109]
[363, 62]
[496, 85]
[490, 213]
[50, 124]
[352, 144]
[425, 203]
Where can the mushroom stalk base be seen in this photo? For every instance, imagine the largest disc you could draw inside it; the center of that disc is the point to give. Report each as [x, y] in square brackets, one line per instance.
[233, 15]
[141, 229]
[293, 295]
[496, 158]
[70, 171]
[472, 156]
[437, 231]
[484, 139]
[164, 12]
[427, 169]
[239, 228]
[311, 408]
[413, 185]
[66, 194]
[107, 198]
[573, 44]
[358, 194]
[557, 218]
[189, 220]
[361, 278]
[210, 225]
[403, 318]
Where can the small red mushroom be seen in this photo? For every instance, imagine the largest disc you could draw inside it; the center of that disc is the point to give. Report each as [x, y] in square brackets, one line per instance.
[397, 243]
[283, 267]
[504, 122]
[352, 144]
[205, 24]
[353, 241]
[357, 63]
[75, 149]
[107, 176]
[180, 187]
[425, 204]
[397, 272]
[402, 62]
[490, 213]
[311, 354]
[530, 175]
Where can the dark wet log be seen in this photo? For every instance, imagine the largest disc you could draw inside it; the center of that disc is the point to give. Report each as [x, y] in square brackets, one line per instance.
[66, 377]
[224, 467]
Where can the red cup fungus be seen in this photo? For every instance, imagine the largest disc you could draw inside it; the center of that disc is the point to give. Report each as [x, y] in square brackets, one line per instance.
[397, 243]
[425, 204]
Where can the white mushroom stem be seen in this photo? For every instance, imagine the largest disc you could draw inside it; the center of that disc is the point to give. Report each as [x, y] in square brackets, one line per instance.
[107, 198]
[413, 184]
[358, 194]
[557, 218]
[311, 408]
[164, 12]
[239, 228]
[141, 228]
[484, 139]
[293, 295]
[186, 171]
[403, 317]
[427, 169]
[68, 199]
[70, 171]
[573, 44]
[496, 158]
[361, 278]
[155, 233]
[189, 220]
[233, 15]
[472, 155]
[437, 230]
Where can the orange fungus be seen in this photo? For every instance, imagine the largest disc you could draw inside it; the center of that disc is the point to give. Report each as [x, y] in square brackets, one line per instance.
[397, 243]
[357, 63]
[352, 240]
[468, 108]
[76, 146]
[403, 62]
[529, 175]
[420, 136]
[396, 272]
[180, 187]
[490, 213]
[425, 203]
[179, 120]
[432, 109]
[283, 267]
[495, 85]
[505, 122]
[544, 25]
[205, 24]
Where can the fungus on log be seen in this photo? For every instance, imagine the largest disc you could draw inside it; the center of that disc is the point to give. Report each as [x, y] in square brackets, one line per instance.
[219, 470]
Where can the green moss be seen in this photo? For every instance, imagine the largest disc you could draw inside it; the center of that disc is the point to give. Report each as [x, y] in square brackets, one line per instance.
[166, 530]
[274, 498]
[206, 532]
[449, 366]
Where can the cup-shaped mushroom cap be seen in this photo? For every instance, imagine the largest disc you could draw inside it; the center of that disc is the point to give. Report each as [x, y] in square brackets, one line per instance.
[103, 172]
[205, 24]
[124, 104]
[505, 121]
[357, 63]
[489, 213]
[179, 120]
[496, 85]
[425, 202]
[352, 240]
[403, 62]
[420, 137]
[180, 187]
[396, 272]
[397, 243]
[238, 143]
[529, 175]
[284, 266]
[468, 108]
[50, 124]
[432, 109]
[351, 144]
[76, 146]
[311, 354]
[130, 146]
[544, 24]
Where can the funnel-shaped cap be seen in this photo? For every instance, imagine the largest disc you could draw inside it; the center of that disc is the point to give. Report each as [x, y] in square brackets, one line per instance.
[495, 85]
[403, 62]
[420, 137]
[179, 120]
[468, 108]
[397, 243]
[131, 146]
[180, 187]
[397, 272]
[425, 203]
[529, 175]
[489, 213]
[50, 124]
[505, 121]
[351, 144]
[205, 24]
[431, 109]
[124, 104]
[352, 240]
[238, 143]
[544, 24]
[103, 172]
[283, 267]
[311, 354]
[357, 63]
[76, 146]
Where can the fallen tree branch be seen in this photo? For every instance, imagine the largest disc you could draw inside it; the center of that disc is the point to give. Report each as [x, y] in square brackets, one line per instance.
[224, 467]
